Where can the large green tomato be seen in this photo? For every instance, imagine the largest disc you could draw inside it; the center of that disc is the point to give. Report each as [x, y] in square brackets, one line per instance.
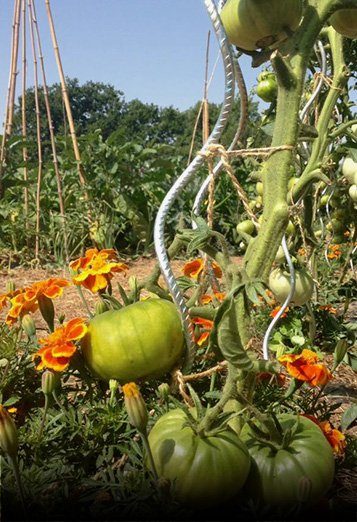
[204, 470]
[142, 340]
[279, 284]
[255, 24]
[344, 21]
[299, 474]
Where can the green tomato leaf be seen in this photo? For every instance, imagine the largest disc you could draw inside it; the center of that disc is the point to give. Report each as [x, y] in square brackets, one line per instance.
[229, 337]
[349, 417]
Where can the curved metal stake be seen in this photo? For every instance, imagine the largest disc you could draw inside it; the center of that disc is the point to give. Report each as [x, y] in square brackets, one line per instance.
[285, 304]
[186, 176]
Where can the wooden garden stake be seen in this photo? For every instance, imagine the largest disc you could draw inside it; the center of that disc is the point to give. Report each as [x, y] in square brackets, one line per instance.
[38, 131]
[23, 115]
[51, 129]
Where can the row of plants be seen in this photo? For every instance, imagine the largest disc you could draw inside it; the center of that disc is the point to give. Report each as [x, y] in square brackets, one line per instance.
[135, 412]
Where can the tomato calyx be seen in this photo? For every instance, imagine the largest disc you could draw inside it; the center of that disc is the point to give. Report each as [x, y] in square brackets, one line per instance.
[271, 434]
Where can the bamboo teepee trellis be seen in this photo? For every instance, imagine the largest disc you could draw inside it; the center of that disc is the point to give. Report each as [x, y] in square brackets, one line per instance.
[19, 31]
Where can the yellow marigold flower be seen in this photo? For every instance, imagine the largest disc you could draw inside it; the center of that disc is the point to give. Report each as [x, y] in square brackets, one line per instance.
[96, 269]
[194, 268]
[58, 348]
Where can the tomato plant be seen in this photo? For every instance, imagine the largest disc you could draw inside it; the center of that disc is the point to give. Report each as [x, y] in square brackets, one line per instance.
[204, 470]
[142, 340]
[296, 471]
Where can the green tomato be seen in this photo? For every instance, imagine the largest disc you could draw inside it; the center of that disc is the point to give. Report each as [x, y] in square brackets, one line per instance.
[324, 200]
[337, 225]
[256, 24]
[140, 341]
[344, 21]
[279, 284]
[259, 188]
[204, 470]
[290, 229]
[299, 474]
[349, 170]
[267, 89]
[246, 226]
[353, 193]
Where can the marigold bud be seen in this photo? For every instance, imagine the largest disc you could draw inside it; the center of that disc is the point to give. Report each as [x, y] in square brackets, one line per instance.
[164, 391]
[113, 385]
[9, 442]
[10, 287]
[28, 324]
[50, 381]
[101, 307]
[135, 406]
[47, 310]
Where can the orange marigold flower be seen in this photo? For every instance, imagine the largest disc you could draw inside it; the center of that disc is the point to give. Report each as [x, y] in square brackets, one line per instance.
[58, 348]
[25, 300]
[276, 310]
[50, 288]
[305, 367]
[20, 306]
[328, 308]
[334, 252]
[206, 298]
[335, 437]
[96, 269]
[206, 325]
[194, 268]
[302, 251]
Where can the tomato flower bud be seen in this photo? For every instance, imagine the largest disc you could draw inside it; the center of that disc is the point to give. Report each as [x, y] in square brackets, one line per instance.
[9, 442]
[135, 406]
[28, 324]
[50, 381]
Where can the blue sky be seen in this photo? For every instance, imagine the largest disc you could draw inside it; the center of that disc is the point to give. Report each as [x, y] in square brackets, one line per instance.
[153, 50]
